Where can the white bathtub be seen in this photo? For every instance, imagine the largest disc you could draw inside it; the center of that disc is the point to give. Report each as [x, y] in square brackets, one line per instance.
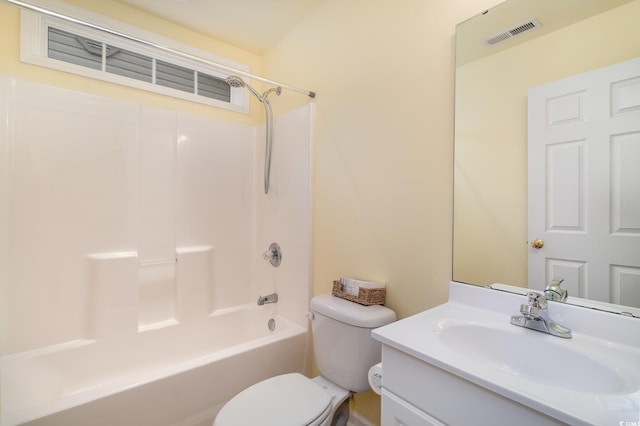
[170, 376]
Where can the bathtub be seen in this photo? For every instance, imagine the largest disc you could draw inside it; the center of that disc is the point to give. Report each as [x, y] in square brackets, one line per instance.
[168, 376]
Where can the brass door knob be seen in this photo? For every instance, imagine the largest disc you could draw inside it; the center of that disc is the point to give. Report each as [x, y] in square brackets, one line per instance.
[537, 243]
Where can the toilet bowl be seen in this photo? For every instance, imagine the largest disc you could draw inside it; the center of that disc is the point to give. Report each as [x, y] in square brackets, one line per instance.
[344, 352]
[288, 399]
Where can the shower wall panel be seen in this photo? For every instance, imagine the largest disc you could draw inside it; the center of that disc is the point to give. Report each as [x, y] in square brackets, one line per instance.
[73, 191]
[215, 201]
[156, 230]
[284, 214]
[90, 186]
[4, 212]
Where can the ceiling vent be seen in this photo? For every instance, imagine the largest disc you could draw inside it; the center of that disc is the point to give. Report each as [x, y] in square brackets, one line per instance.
[515, 31]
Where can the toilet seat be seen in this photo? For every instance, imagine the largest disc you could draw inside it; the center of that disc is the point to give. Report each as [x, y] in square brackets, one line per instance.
[285, 400]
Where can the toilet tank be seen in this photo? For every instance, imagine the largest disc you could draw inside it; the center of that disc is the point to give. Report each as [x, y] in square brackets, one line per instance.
[343, 347]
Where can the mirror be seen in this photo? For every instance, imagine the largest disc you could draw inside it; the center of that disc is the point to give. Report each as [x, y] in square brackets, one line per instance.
[490, 179]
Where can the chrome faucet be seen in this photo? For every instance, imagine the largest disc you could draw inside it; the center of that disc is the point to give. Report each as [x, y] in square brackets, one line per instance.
[554, 292]
[270, 298]
[535, 317]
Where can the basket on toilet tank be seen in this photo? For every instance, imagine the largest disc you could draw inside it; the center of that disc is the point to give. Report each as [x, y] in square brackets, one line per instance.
[359, 293]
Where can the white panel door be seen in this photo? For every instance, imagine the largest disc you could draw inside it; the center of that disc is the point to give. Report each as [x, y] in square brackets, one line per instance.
[584, 183]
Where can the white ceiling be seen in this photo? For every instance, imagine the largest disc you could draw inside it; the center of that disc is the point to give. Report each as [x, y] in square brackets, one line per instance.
[254, 25]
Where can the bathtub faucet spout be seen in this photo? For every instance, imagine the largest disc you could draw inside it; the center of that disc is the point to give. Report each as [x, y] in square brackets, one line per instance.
[270, 298]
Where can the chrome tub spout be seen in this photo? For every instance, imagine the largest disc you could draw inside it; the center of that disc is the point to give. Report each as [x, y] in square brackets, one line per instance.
[270, 298]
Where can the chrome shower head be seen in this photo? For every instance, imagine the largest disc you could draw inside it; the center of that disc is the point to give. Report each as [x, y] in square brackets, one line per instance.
[237, 82]
[234, 81]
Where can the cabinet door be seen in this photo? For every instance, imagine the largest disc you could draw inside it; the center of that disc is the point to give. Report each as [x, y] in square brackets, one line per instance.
[398, 412]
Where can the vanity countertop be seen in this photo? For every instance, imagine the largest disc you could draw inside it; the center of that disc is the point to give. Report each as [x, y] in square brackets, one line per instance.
[592, 378]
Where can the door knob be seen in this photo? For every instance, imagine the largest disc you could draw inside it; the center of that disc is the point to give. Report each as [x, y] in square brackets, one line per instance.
[537, 243]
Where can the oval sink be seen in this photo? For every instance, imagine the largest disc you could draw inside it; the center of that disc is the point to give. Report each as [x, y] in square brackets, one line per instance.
[534, 356]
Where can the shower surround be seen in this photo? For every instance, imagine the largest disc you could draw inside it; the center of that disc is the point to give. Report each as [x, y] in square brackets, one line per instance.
[121, 221]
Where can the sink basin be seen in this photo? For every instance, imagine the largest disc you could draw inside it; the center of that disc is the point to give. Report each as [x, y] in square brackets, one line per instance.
[535, 356]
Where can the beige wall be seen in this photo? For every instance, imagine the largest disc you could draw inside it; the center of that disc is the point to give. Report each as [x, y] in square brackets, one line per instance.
[383, 140]
[383, 152]
[491, 137]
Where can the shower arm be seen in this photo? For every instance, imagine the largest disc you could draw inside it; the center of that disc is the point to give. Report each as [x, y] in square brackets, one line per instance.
[226, 68]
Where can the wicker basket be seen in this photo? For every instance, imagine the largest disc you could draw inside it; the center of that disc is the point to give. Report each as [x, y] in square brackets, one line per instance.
[366, 296]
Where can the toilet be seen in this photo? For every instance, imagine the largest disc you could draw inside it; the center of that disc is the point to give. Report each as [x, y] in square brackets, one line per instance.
[344, 352]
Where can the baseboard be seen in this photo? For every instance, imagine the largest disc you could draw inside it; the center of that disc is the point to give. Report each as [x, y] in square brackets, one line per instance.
[356, 419]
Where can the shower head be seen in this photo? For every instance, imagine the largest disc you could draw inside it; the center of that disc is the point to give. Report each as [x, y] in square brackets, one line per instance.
[234, 81]
[237, 82]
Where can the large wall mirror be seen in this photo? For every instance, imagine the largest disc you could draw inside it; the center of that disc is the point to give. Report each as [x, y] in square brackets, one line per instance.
[495, 70]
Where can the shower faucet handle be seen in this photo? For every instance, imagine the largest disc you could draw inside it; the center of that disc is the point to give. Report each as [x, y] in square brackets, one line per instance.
[273, 254]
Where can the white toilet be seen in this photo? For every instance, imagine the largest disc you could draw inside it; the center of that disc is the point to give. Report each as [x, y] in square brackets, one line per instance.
[344, 352]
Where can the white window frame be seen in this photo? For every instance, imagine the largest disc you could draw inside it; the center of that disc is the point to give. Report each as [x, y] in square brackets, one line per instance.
[34, 28]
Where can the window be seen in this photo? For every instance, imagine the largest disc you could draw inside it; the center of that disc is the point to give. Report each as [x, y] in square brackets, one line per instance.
[71, 47]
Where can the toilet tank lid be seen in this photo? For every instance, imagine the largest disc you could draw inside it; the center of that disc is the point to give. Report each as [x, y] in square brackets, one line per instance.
[352, 313]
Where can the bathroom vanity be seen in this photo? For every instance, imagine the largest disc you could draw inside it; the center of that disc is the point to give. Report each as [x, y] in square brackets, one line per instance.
[464, 363]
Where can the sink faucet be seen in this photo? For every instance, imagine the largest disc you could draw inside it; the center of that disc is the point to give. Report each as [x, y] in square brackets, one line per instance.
[554, 292]
[535, 316]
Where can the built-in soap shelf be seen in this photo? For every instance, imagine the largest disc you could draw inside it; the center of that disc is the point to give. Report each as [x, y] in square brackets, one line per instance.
[128, 294]
[156, 293]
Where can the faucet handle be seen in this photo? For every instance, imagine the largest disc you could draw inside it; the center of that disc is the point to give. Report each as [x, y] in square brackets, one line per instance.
[537, 300]
[537, 303]
[529, 311]
[273, 254]
[553, 291]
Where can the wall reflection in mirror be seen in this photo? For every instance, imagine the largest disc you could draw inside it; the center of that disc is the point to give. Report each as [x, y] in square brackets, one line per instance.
[498, 212]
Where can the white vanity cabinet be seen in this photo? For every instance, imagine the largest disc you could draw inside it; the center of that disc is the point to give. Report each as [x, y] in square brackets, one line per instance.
[416, 393]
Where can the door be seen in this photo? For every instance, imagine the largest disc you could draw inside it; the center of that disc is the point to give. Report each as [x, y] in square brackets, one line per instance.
[584, 183]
